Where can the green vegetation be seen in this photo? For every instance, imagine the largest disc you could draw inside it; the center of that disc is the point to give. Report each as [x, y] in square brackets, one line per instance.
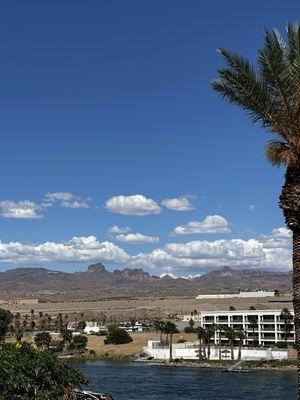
[117, 335]
[288, 318]
[26, 373]
[43, 339]
[5, 320]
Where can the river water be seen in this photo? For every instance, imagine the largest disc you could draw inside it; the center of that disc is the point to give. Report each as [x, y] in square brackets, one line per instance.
[133, 381]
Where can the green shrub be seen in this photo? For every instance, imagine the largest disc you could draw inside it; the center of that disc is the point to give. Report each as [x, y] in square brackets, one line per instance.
[43, 339]
[117, 335]
[26, 373]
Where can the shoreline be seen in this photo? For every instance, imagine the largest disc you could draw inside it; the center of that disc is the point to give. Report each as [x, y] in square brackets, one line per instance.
[261, 365]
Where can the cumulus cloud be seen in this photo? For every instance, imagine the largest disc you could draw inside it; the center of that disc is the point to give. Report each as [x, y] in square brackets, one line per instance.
[77, 249]
[136, 238]
[67, 200]
[211, 224]
[117, 230]
[132, 205]
[179, 204]
[24, 209]
[272, 252]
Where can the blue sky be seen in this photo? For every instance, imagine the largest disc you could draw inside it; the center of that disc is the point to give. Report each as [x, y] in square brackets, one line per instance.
[103, 99]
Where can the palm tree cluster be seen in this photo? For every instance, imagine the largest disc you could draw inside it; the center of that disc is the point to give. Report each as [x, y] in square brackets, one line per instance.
[229, 334]
[168, 328]
[270, 96]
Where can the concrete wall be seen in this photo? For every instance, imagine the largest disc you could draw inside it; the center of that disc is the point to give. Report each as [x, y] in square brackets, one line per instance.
[188, 351]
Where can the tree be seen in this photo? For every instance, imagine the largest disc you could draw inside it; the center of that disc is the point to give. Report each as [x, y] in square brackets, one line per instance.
[5, 319]
[201, 337]
[26, 373]
[159, 327]
[81, 325]
[117, 335]
[79, 343]
[43, 339]
[220, 329]
[287, 318]
[67, 336]
[270, 96]
[170, 329]
[241, 335]
[231, 336]
[209, 332]
[253, 324]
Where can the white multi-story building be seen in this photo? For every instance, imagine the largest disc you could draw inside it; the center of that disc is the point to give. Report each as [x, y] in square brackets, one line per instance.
[268, 329]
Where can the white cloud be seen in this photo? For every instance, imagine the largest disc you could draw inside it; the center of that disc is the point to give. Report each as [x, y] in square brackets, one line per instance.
[78, 249]
[67, 200]
[24, 209]
[179, 204]
[59, 196]
[271, 252]
[136, 238]
[252, 207]
[211, 224]
[76, 204]
[132, 205]
[117, 230]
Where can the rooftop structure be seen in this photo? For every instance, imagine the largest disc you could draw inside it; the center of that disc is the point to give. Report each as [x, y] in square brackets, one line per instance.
[255, 294]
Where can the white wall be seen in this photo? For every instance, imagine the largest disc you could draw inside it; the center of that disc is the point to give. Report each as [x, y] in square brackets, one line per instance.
[191, 353]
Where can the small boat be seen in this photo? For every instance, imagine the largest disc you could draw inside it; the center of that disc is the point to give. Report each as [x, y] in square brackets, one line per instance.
[86, 395]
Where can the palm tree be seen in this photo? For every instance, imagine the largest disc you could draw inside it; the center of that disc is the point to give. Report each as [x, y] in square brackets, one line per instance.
[209, 332]
[170, 329]
[241, 335]
[220, 329]
[159, 327]
[253, 324]
[231, 335]
[287, 317]
[270, 96]
[201, 333]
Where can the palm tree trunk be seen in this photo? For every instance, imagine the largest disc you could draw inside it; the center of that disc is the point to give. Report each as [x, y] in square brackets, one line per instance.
[285, 330]
[240, 350]
[204, 349]
[200, 349]
[170, 346]
[208, 349]
[232, 351]
[220, 346]
[296, 296]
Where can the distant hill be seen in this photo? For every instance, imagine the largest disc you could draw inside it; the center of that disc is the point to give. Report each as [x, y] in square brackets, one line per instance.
[96, 277]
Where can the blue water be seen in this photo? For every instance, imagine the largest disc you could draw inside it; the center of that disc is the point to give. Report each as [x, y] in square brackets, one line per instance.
[131, 381]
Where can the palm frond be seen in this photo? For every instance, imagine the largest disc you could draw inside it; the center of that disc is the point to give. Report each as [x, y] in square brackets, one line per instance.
[280, 153]
[293, 34]
[275, 69]
[240, 85]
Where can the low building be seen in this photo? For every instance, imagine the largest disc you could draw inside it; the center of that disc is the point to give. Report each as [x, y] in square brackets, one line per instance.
[240, 295]
[189, 351]
[93, 327]
[27, 302]
[132, 327]
[268, 330]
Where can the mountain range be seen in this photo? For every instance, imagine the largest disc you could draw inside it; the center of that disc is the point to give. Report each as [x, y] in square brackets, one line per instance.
[98, 278]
